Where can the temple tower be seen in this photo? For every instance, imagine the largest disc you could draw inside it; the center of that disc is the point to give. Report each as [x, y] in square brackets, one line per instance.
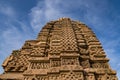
[64, 50]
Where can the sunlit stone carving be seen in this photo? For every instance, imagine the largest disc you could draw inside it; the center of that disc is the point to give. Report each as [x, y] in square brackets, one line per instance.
[64, 50]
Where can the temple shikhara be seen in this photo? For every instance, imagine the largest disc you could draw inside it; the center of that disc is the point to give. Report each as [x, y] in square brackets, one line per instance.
[64, 50]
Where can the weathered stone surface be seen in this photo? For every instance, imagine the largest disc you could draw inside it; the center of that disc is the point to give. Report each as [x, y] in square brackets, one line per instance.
[64, 50]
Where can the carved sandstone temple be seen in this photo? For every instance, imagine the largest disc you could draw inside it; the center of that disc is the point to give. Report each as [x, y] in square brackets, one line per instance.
[64, 50]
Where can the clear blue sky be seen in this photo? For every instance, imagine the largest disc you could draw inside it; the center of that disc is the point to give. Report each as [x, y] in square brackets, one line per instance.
[21, 20]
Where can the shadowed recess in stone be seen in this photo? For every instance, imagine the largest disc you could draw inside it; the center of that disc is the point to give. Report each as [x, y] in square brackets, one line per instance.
[64, 50]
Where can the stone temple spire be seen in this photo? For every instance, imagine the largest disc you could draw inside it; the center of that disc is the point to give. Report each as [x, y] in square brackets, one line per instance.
[64, 50]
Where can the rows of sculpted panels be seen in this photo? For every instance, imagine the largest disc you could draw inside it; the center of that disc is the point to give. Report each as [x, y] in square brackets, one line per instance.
[61, 76]
[71, 76]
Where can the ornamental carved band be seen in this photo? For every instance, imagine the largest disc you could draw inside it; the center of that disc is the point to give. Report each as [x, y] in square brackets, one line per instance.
[64, 50]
